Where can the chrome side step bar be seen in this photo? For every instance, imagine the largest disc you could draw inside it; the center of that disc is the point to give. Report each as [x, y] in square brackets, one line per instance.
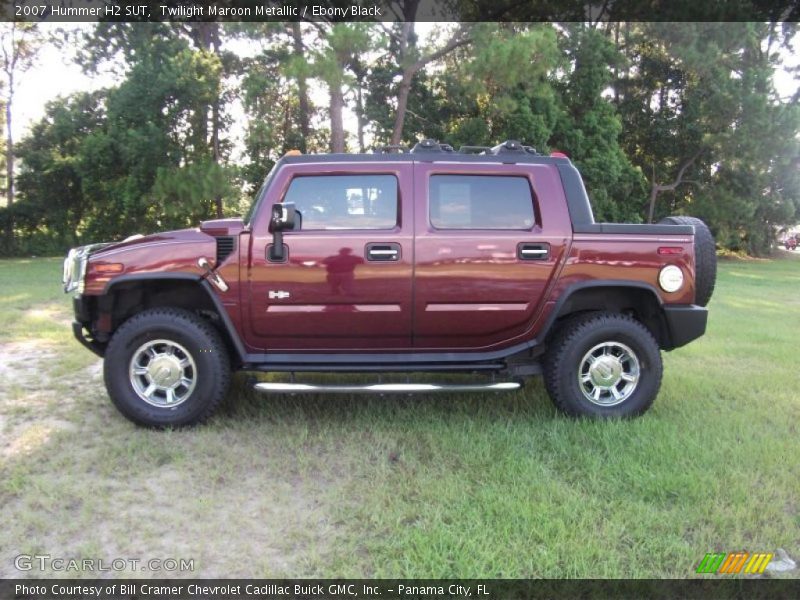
[383, 388]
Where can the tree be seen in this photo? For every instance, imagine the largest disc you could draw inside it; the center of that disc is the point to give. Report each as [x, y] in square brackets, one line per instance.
[20, 43]
[659, 118]
[504, 76]
[339, 46]
[206, 37]
[752, 190]
[409, 59]
[53, 199]
[304, 105]
[274, 94]
[702, 120]
[589, 130]
[158, 128]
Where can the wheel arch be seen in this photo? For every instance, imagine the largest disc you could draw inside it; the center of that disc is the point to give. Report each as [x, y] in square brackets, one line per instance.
[128, 295]
[635, 298]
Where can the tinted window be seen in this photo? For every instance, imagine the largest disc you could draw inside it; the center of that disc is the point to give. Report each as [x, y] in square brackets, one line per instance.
[480, 202]
[345, 201]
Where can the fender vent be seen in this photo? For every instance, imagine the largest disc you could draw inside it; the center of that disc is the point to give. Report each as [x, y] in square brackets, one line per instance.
[225, 245]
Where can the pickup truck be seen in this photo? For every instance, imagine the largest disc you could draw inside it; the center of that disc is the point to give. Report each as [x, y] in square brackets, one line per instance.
[483, 261]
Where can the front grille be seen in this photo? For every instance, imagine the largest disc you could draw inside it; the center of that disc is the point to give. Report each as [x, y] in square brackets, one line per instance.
[225, 246]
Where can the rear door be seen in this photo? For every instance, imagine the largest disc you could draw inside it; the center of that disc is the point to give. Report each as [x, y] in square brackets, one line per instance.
[485, 252]
[347, 282]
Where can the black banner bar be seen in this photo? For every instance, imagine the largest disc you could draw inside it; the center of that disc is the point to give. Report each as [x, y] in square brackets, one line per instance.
[716, 588]
[594, 11]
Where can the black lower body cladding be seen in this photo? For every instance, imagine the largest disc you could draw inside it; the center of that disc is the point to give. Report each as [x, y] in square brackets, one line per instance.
[685, 323]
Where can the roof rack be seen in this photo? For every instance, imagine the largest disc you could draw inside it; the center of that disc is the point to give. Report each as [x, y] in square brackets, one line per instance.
[429, 146]
[509, 146]
[513, 146]
[391, 148]
[474, 149]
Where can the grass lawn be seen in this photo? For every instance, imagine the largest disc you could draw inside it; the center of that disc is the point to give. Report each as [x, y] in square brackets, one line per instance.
[447, 486]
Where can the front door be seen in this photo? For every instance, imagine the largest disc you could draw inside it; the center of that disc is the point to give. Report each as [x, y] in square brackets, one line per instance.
[346, 282]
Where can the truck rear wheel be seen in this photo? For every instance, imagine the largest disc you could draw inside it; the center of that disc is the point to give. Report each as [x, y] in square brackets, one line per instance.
[166, 367]
[705, 257]
[603, 365]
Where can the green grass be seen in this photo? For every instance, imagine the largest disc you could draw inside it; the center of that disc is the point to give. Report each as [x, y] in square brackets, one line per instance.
[446, 486]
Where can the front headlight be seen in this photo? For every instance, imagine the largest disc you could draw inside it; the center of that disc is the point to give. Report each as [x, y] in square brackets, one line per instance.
[66, 277]
[74, 270]
[75, 267]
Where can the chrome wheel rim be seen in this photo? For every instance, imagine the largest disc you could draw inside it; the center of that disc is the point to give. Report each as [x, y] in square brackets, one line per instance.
[163, 373]
[608, 374]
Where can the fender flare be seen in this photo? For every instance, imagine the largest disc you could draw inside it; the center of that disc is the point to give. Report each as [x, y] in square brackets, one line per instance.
[230, 329]
[596, 284]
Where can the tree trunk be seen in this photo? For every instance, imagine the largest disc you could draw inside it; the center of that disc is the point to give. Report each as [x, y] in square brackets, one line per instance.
[458, 39]
[653, 196]
[616, 67]
[215, 148]
[302, 91]
[215, 115]
[361, 121]
[9, 233]
[337, 123]
[402, 105]
[9, 143]
[206, 37]
[656, 187]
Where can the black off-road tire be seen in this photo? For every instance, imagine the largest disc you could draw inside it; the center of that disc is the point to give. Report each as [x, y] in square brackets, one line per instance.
[705, 257]
[575, 339]
[198, 337]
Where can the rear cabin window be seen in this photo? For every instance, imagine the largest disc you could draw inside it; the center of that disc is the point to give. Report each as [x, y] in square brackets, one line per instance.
[345, 201]
[480, 202]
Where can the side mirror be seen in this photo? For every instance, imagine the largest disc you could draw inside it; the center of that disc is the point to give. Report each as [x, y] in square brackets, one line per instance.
[283, 217]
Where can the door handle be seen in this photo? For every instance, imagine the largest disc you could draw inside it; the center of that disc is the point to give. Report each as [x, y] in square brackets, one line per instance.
[383, 252]
[533, 251]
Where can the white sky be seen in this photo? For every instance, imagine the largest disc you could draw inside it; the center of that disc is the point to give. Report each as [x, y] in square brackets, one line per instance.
[56, 74]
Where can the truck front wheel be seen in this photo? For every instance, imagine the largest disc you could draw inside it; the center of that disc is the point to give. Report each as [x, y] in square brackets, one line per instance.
[166, 367]
[603, 365]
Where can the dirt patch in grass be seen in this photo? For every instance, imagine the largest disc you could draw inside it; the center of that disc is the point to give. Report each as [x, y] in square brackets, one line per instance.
[79, 481]
[49, 312]
[22, 363]
[26, 420]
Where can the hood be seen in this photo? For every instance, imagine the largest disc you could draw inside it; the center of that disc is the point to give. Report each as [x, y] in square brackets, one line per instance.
[213, 228]
[156, 239]
[157, 255]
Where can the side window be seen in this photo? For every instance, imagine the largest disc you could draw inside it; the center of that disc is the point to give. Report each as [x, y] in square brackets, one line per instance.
[480, 202]
[345, 201]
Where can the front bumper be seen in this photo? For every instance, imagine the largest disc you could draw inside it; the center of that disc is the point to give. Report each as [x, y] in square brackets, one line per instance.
[88, 342]
[80, 326]
[685, 323]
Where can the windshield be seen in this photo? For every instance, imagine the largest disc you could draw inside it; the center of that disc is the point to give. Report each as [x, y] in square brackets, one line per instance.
[262, 191]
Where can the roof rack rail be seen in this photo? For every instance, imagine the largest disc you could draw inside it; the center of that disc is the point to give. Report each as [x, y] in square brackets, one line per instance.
[512, 146]
[430, 146]
[474, 149]
[433, 146]
[390, 148]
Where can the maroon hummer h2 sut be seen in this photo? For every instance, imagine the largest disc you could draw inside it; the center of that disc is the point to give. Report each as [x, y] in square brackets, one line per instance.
[484, 261]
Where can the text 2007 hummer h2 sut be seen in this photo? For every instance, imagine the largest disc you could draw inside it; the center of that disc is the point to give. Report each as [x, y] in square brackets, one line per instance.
[483, 261]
